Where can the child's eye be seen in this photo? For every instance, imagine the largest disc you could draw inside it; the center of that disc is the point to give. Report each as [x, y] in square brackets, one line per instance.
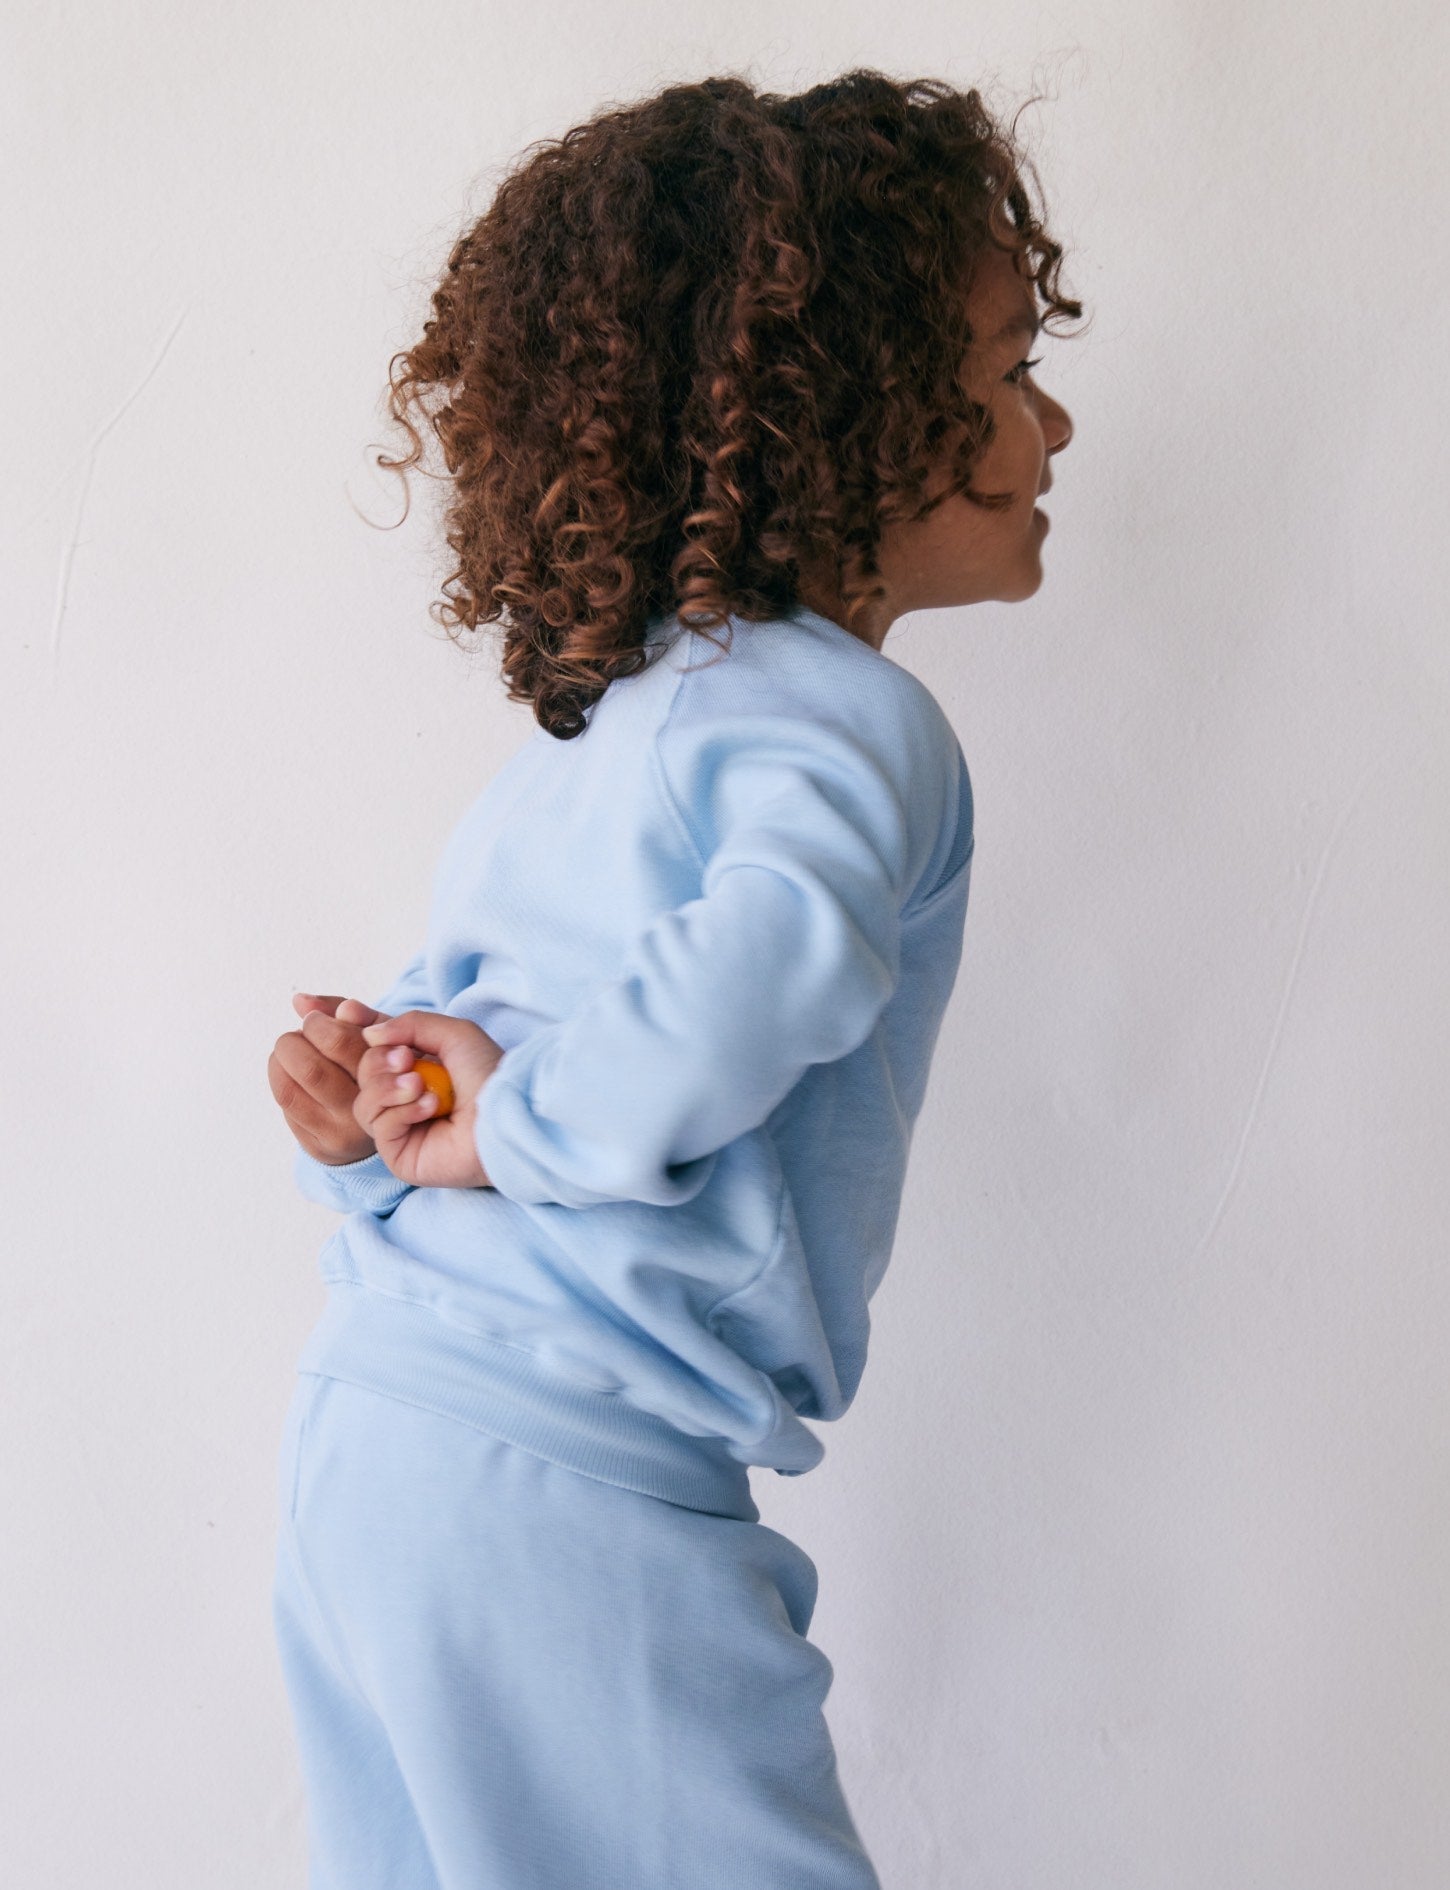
[1021, 365]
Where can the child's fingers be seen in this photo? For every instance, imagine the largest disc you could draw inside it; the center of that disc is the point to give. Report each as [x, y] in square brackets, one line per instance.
[391, 1106]
[301, 1066]
[306, 1002]
[353, 1011]
[382, 1062]
[424, 1030]
[346, 1010]
[401, 1086]
[336, 1036]
[316, 1098]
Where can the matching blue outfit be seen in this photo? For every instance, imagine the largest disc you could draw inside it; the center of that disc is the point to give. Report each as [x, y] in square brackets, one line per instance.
[533, 1630]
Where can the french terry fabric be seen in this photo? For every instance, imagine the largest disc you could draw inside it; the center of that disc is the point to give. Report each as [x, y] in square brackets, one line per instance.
[715, 935]
[508, 1676]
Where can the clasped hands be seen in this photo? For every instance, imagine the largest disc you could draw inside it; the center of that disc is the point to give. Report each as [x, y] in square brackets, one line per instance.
[347, 1086]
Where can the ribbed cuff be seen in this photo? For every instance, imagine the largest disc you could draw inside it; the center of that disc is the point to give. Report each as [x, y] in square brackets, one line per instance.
[368, 1184]
[504, 1101]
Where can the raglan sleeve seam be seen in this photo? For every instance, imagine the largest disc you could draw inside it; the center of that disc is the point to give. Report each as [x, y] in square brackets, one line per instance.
[783, 958]
[667, 788]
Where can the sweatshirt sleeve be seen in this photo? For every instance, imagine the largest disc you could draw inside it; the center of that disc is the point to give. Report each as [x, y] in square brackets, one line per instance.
[785, 959]
[368, 1184]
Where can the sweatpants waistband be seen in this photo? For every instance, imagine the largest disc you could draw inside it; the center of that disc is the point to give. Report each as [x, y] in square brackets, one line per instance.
[403, 1349]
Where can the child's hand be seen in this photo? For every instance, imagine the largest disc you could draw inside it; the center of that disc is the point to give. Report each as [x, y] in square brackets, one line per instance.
[313, 1075]
[393, 1105]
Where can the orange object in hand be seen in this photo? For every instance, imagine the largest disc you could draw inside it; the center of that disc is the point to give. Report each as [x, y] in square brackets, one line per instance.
[436, 1078]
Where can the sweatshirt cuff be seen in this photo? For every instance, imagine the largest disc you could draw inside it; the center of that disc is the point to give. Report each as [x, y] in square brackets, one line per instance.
[533, 1159]
[503, 1120]
[368, 1184]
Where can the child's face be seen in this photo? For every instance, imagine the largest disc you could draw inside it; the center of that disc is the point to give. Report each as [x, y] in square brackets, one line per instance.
[962, 554]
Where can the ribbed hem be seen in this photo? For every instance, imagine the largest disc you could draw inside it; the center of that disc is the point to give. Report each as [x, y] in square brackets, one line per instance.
[405, 1350]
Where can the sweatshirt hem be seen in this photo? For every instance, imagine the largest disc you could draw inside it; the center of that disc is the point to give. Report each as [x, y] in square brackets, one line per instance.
[403, 1349]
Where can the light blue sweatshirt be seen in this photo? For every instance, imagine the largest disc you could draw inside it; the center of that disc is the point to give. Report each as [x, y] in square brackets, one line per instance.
[715, 935]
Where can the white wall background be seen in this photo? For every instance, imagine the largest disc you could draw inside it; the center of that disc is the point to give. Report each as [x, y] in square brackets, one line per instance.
[1134, 1546]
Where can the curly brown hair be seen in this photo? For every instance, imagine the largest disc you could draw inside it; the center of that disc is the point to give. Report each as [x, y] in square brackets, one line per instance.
[701, 344]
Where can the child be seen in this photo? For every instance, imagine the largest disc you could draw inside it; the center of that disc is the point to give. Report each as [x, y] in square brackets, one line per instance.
[719, 361]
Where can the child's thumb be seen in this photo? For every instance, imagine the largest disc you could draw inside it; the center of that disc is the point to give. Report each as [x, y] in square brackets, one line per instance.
[421, 1030]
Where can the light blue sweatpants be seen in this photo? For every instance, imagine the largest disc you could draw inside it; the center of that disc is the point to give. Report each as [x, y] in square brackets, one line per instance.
[508, 1675]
